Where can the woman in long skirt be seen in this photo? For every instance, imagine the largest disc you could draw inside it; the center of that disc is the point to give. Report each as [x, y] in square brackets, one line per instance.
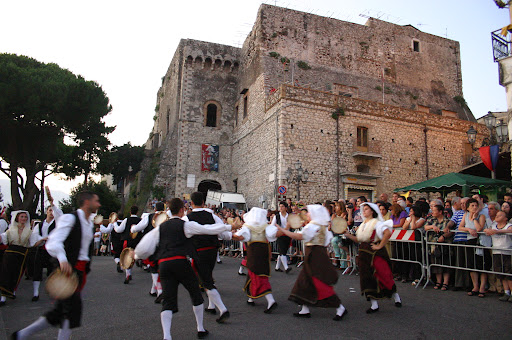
[314, 285]
[375, 274]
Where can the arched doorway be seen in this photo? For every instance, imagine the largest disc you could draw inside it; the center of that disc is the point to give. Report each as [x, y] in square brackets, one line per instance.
[208, 184]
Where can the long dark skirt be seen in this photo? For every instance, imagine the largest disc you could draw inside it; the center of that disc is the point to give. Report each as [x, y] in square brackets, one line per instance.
[314, 286]
[375, 274]
[258, 266]
[13, 265]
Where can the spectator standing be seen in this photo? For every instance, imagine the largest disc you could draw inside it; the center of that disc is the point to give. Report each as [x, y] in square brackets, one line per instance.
[501, 232]
[415, 222]
[97, 241]
[507, 208]
[438, 223]
[472, 223]
[461, 276]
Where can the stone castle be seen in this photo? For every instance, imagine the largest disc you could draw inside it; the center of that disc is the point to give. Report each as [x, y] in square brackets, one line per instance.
[364, 108]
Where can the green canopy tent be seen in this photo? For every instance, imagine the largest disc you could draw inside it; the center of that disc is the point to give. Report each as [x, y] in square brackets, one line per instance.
[456, 181]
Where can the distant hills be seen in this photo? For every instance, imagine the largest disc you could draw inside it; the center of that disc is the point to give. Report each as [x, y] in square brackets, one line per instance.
[6, 191]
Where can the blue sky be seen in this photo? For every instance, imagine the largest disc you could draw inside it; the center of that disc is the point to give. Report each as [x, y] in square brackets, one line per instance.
[126, 46]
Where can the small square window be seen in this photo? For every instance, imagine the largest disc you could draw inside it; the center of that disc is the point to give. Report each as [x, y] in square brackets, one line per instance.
[416, 45]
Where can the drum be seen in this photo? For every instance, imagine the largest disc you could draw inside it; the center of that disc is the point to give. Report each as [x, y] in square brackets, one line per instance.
[295, 221]
[127, 258]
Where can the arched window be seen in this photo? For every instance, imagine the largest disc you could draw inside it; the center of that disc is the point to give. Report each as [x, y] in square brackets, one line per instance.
[211, 115]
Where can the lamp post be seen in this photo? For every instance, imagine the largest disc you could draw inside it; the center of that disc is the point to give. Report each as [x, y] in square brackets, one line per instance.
[498, 134]
[301, 175]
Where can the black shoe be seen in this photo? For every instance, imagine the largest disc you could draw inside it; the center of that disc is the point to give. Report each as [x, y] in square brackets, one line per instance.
[306, 316]
[130, 278]
[288, 270]
[35, 298]
[251, 303]
[340, 317]
[223, 317]
[152, 294]
[398, 304]
[269, 310]
[159, 298]
[202, 335]
[371, 310]
[219, 262]
[14, 336]
[242, 274]
[2, 303]
[210, 310]
[126, 281]
[119, 270]
[279, 270]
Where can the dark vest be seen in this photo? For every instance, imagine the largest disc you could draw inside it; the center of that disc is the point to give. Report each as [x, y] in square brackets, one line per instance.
[51, 227]
[73, 242]
[173, 241]
[125, 235]
[201, 241]
[115, 236]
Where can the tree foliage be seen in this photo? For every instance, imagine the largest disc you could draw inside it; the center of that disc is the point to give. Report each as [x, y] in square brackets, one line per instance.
[122, 161]
[40, 104]
[108, 198]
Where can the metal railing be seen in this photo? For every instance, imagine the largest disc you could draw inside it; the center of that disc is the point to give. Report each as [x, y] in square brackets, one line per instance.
[500, 45]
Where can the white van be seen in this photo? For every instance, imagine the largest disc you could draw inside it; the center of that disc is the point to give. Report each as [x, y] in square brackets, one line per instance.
[230, 200]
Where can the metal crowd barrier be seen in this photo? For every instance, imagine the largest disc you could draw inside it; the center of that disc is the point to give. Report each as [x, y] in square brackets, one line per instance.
[463, 256]
[408, 253]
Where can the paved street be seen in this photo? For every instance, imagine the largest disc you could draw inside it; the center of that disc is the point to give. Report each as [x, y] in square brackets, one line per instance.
[117, 311]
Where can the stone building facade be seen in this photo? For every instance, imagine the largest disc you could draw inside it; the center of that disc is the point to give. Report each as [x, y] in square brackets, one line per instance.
[396, 93]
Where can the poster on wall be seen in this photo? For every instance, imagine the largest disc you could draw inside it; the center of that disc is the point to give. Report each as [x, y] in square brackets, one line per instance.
[210, 157]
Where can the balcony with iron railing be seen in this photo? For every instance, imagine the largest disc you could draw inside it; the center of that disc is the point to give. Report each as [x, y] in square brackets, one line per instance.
[501, 44]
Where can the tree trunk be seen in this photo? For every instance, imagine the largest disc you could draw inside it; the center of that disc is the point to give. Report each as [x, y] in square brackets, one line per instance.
[17, 203]
[31, 191]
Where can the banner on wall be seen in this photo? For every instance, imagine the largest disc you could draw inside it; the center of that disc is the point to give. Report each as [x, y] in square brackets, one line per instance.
[210, 157]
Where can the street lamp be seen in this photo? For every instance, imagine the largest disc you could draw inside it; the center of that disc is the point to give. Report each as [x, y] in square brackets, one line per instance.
[301, 175]
[502, 131]
[471, 135]
[490, 120]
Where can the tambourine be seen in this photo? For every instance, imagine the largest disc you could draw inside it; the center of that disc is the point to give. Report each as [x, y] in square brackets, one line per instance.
[295, 221]
[159, 218]
[339, 225]
[61, 286]
[98, 219]
[127, 258]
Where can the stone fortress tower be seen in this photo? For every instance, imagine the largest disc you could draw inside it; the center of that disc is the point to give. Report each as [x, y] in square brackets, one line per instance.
[236, 119]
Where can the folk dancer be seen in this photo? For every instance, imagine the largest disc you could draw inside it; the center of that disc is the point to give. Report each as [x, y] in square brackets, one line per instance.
[42, 258]
[126, 237]
[283, 242]
[145, 226]
[314, 285]
[115, 240]
[71, 242]
[257, 233]
[206, 246]
[18, 238]
[172, 239]
[375, 274]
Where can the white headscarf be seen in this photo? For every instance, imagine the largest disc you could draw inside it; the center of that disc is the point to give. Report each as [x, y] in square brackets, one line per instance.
[13, 236]
[256, 217]
[375, 208]
[319, 214]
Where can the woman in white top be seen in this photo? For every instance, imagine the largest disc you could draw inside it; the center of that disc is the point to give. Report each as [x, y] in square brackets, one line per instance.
[375, 274]
[314, 285]
[18, 238]
[501, 233]
[472, 223]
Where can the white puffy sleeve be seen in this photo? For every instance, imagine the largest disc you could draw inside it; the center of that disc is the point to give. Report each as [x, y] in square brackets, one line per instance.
[226, 235]
[147, 245]
[141, 225]
[381, 226]
[309, 231]
[56, 212]
[107, 229]
[328, 237]
[35, 236]
[271, 232]
[245, 233]
[119, 228]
